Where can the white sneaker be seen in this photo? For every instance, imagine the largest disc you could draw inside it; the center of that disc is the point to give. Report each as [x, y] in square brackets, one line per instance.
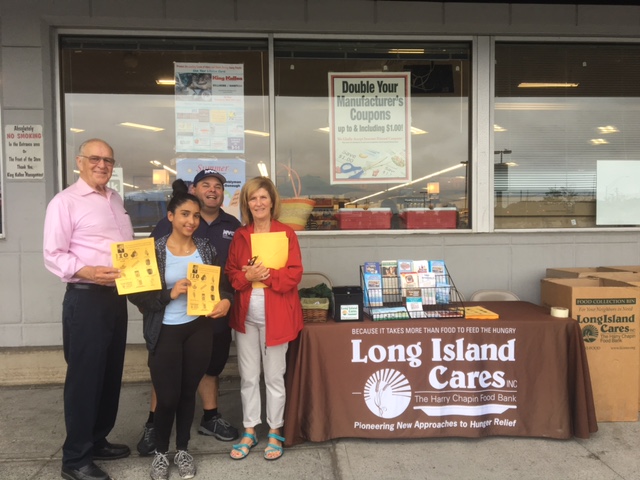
[185, 464]
[160, 467]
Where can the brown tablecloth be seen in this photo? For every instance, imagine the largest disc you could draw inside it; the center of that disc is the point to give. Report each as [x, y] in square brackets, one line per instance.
[525, 374]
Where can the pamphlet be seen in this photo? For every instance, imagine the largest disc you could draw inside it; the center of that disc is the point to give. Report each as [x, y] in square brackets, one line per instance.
[479, 313]
[136, 260]
[389, 313]
[405, 266]
[203, 294]
[443, 293]
[372, 284]
[438, 267]
[390, 281]
[427, 282]
[408, 280]
[414, 303]
[371, 267]
[421, 266]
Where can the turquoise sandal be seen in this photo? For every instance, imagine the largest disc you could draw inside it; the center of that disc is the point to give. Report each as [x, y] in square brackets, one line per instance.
[274, 448]
[239, 447]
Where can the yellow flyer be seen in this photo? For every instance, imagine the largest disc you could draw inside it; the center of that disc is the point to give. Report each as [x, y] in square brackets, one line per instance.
[204, 293]
[479, 313]
[272, 249]
[138, 266]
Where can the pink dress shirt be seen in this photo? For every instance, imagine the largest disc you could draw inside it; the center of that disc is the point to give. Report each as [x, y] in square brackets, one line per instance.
[79, 228]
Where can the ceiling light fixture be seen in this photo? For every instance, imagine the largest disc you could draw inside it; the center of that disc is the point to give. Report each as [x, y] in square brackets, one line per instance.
[169, 169]
[598, 141]
[608, 129]
[141, 126]
[155, 162]
[76, 130]
[534, 106]
[547, 85]
[431, 175]
[498, 128]
[410, 51]
[257, 132]
[166, 82]
[262, 167]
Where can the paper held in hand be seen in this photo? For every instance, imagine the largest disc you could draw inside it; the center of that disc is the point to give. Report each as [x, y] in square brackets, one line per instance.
[203, 294]
[136, 260]
[272, 249]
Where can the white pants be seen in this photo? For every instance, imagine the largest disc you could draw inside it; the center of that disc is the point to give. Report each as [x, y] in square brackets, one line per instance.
[251, 349]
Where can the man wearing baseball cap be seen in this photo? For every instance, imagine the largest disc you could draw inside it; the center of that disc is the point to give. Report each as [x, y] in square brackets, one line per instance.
[218, 227]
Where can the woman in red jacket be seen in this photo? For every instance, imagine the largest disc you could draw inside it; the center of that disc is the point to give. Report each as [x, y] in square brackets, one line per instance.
[266, 314]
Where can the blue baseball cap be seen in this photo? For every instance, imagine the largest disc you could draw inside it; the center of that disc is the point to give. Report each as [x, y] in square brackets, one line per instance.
[209, 172]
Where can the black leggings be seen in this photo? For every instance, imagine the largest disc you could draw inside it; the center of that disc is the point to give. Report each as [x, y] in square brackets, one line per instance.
[180, 360]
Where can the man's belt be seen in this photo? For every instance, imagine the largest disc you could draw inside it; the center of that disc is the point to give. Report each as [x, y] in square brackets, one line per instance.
[91, 286]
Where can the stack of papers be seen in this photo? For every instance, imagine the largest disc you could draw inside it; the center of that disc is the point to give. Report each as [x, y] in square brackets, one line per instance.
[479, 313]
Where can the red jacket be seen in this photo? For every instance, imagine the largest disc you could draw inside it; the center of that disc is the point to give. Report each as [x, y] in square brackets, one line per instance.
[283, 311]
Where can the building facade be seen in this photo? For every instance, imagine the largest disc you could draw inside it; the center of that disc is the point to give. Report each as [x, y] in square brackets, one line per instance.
[523, 167]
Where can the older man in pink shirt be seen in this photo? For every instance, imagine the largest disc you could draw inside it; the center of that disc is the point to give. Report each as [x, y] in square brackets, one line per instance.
[81, 223]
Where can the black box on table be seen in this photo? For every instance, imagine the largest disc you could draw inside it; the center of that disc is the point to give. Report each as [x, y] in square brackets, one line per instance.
[347, 304]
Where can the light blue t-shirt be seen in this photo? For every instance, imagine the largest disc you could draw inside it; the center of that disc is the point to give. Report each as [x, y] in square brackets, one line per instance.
[177, 268]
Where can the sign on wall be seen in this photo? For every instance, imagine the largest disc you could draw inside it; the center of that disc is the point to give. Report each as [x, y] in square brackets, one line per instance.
[370, 125]
[209, 107]
[24, 152]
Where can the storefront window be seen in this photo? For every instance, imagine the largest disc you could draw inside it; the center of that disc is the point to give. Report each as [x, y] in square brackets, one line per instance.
[351, 149]
[408, 102]
[566, 135]
[124, 91]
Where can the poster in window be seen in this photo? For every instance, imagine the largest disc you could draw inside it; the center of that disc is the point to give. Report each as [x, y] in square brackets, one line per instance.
[370, 124]
[617, 194]
[209, 107]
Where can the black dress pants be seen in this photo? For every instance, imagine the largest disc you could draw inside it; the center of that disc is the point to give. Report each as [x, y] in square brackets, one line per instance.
[94, 330]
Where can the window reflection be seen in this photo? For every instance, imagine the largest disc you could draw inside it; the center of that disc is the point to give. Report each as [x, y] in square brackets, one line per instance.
[556, 135]
[134, 87]
[439, 121]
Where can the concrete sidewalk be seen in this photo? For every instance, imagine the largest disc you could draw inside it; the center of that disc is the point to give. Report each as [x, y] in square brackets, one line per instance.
[32, 432]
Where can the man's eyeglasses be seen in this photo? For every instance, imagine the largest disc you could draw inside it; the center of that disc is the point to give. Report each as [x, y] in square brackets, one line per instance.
[95, 160]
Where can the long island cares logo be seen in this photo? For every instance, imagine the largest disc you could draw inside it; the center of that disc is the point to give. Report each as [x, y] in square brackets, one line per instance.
[387, 393]
[590, 333]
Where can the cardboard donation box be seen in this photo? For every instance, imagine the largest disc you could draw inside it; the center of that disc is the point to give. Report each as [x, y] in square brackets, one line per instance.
[576, 272]
[607, 311]
[623, 268]
[583, 272]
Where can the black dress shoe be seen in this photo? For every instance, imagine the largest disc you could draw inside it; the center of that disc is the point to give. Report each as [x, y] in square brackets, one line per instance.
[88, 472]
[110, 451]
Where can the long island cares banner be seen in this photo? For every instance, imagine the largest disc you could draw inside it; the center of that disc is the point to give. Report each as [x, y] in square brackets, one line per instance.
[370, 120]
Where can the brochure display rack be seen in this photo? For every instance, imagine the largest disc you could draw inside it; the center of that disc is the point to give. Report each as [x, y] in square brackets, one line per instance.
[403, 289]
